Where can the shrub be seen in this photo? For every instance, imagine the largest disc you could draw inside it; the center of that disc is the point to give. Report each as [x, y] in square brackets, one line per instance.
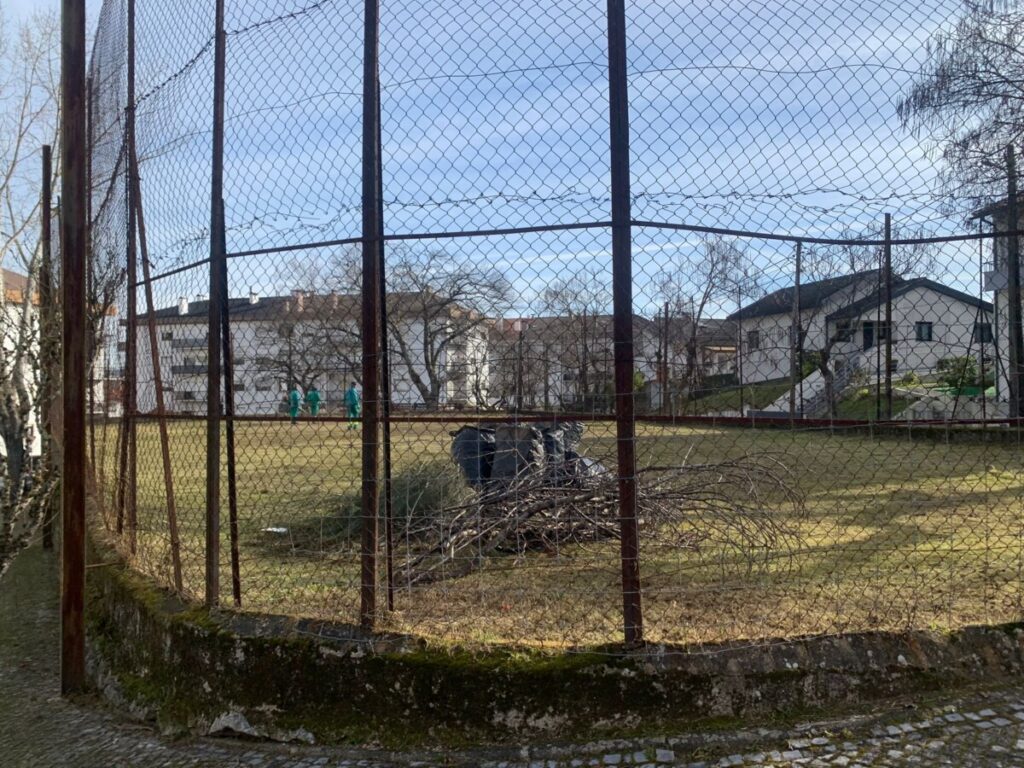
[958, 372]
[420, 495]
[910, 380]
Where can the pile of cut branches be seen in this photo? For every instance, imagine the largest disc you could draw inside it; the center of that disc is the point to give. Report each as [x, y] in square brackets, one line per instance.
[731, 504]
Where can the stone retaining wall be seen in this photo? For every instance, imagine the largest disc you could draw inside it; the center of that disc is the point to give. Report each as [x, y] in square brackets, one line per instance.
[291, 679]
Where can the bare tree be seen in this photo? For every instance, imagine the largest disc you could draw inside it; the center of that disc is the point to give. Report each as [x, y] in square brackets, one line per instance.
[698, 281]
[579, 332]
[969, 96]
[312, 336]
[439, 315]
[29, 72]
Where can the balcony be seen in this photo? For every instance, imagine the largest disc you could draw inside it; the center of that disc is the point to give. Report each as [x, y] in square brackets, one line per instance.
[188, 343]
[188, 370]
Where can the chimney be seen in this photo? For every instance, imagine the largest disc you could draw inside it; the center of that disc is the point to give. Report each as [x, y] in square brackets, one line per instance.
[182, 305]
[299, 297]
[254, 297]
[200, 297]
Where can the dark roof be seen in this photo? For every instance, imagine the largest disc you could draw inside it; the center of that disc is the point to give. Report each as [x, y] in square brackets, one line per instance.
[987, 210]
[812, 296]
[878, 297]
[719, 331]
[555, 323]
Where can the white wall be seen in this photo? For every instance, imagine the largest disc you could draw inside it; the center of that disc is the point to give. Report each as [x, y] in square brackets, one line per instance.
[259, 388]
[952, 332]
[772, 359]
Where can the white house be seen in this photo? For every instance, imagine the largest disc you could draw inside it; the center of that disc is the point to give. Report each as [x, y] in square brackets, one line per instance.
[844, 320]
[766, 325]
[438, 352]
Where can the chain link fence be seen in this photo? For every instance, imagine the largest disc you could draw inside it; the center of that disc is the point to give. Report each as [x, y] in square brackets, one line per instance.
[556, 323]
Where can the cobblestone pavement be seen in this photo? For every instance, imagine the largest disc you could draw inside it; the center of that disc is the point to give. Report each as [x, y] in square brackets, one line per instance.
[39, 729]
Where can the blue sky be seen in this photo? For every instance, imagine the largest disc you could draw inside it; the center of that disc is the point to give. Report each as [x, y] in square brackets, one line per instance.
[773, 116]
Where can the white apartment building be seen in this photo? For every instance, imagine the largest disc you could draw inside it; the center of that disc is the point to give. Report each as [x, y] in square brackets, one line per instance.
[438, 353]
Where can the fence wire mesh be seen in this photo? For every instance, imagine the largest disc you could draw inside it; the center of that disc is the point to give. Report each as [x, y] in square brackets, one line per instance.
[823, 341]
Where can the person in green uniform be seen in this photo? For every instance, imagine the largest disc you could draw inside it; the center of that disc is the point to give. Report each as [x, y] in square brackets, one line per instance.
[352, 404]
[294, 404]
[313, 401]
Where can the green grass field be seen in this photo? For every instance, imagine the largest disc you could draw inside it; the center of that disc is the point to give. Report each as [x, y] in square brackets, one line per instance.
[893, 534]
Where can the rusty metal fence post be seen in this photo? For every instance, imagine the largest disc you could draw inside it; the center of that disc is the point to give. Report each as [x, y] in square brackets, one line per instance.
[888, 316]
[46, 346]
[214, 318]
[158, 379]
[622, 300]
[371, 313]
[229, 412]
[1016, 334]
[796, 373]
[74, 234]
[131, 339]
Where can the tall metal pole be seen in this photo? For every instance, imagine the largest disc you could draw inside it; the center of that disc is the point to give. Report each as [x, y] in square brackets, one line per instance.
[131, 340]
[90, 287]
[667, 370]
[229, 414]
[214, 316]
[371, 312]
[74, 236]
[739, 348]
[888, 316]
[622, 299]
[1016, 351]
[46, 315]
[385, 372]
[981, 295]
[794, 338]
[878, 340]
[158, 379]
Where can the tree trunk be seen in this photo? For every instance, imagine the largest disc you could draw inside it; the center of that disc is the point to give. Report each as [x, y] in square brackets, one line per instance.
[829, 377]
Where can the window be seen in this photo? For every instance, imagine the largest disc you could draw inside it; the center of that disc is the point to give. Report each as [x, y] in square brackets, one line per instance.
[894, 365]
[923, 331]
[239, 387]
[883, 331]
[844, 330]
[753, 340]
[264, 386]
[983, 333]
[167, 335]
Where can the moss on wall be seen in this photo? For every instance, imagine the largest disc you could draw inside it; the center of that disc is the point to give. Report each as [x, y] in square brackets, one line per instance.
[187, 666]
